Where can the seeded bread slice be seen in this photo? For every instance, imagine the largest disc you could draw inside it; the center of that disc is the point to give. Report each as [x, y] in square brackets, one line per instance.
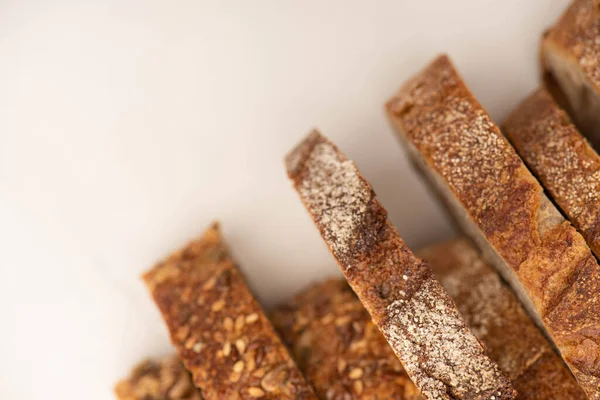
[165, 379]
[502, 207]
[562, 160]
[416, 316]
[220, 331]
[571, 59]
[496, 317]
[337, 346]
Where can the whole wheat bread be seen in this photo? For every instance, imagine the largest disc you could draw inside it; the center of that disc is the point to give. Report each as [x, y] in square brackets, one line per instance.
[570, 55]
[164, 379]
[561, 158]
[502, 207]
[410, 307]
[218, 328]
[338, 347]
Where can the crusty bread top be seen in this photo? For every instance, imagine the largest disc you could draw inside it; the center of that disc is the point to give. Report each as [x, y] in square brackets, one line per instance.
[577, 33]
[561, 158]
[164, 379]
[337, 346]
[416, 316]
[220, 331]
[495, 315]
[436, 111]
[520, 229]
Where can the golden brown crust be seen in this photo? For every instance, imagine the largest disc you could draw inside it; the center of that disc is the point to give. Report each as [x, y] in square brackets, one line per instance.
[570, 57]
[164, 379]
[337, 346]
[561, 158]
[458, 144]
[577, 34]
[416, 316]
[497, 318]
[220, 331]
[355, 361]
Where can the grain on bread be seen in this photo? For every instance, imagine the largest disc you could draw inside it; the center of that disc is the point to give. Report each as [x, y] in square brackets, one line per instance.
[218, 328]
[561, 158]
[416, 316]
[497, 318]
[502, 207]
[570, 55]
[164, 379]
[337, 346]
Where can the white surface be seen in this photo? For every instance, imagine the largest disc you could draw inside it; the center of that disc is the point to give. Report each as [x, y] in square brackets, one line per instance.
[127, 126]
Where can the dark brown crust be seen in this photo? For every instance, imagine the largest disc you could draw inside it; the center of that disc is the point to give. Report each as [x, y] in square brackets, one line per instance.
[220, 331]
[562, 160]
[495, 315]
[165, 379]
[398, 290]
[337, 346]
[458, 142]
[577, 35]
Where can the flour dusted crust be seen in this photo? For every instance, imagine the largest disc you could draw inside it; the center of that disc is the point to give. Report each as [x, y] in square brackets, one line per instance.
[577, 33]
[164, 379]
[503, 208]
[497, 318]
[355, 361]
[337, 346]
[571, 60]
[410, 307]
[220, 331]
[561, 158]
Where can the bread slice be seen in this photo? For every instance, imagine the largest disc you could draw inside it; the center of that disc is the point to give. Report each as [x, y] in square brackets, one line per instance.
[561, 158]
[337, 346]
[502, 207]
[220, 331]
[356, 362]
[571, 58]
[416, 316]
[496, 317]
[165, 379]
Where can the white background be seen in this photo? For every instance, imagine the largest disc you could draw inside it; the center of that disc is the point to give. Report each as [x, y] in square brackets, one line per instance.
[128, 126]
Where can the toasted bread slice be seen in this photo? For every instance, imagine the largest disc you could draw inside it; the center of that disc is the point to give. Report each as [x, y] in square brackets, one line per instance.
[218, 328]
[570, 54]
[337, 346]
[165, 379]
[502, 207]
[497, 318]
[561, 158]
[410, 307]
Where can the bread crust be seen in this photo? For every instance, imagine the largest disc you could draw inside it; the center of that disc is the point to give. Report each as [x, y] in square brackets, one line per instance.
[355, 362]
[519, 230]
[410, 307]
[218, 328]
[577, 34]
[164, 379]
[561, 158]
[570, 57]
[338, 347]
[497, 318]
